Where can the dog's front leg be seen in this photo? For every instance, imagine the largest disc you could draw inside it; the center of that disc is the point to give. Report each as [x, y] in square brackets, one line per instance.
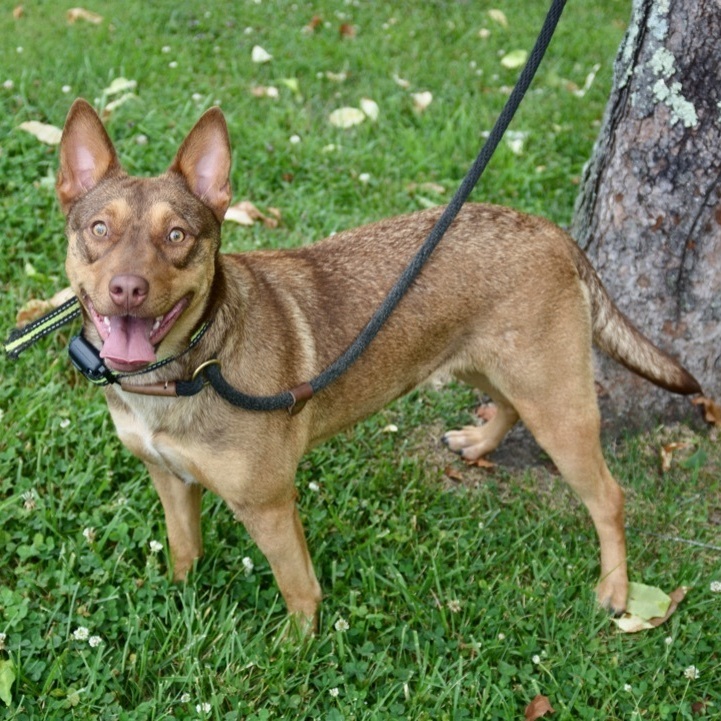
[181, 503]
[277, 530]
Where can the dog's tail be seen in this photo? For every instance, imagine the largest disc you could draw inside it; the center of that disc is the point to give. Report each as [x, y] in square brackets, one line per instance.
[616, 336]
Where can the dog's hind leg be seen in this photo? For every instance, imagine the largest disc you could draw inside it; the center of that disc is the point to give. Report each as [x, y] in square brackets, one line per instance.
[473, 442]
[569, 433]
[181, 503]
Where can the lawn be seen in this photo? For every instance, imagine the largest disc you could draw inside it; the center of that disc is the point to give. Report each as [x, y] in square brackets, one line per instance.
[451, 592]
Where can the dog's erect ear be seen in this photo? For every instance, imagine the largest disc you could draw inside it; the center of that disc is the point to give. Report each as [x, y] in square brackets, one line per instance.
[86, 154]
[204, 161]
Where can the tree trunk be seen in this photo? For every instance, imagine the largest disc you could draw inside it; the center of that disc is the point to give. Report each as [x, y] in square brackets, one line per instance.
[649, 209]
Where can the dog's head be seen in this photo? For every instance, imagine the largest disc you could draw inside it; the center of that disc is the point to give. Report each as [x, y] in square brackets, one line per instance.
[142, 251]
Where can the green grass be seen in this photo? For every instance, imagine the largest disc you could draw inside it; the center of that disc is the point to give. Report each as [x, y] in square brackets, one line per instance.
[459, 604]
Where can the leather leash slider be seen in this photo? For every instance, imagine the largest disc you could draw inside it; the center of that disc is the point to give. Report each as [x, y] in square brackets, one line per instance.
[301, 395]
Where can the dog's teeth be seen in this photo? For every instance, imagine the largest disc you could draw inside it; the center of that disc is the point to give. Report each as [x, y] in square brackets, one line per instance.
[106, 320]
[156, 325]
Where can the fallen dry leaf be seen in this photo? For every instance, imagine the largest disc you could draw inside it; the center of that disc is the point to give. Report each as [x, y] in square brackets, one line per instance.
[265, 91]
[36, 307]
[346, 30]
[498, 16]
[453, 473]
[48, 134]
[514, 59]
[711, 409]
[18, 12]
[120, 85]
[315, 22]
[539, 707]
[632, 623]
[259, 55]
[245, 213]
[346, 117]
[401, 82]
[426, 188]
[480, 463]
[422, 100]
[370, 108]
[666, 453]
[75, 14]
[113, 105]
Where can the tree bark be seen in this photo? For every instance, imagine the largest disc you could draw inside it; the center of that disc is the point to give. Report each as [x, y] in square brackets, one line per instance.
[649, 209]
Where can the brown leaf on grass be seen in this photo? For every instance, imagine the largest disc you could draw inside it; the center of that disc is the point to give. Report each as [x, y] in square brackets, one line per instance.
[480, 463]
[699, 708]
[666, 453]
[18, 12]
[539, 707]
[315, 22]
[75, 14]
[711, 410]
[245, 213]
[36, 307]
[676, 597]
[346, 30]
[629, 623]
[453, 473]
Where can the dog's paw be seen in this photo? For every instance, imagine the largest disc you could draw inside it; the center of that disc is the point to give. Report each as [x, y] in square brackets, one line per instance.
[612, 597]
[470, 442]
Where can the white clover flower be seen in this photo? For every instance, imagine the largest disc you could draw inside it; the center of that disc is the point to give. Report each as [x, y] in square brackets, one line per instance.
[166, 48]
[536, 659]
[627, 687]
[81, 633]
[454, 606]
[248, 565]
[668, 640]
[173, 64]
[364, 178]
[95, 641]
[65, 422]
[156, 547]
[3, 638]
[501, 636]
[29, 500]
[294, 139]
[691, 672]
[341, 625]
[203, 707]
[8, 85]
[334, 692]
[715, 586]
[89, 534]
[185, 698]
[66, 89]
[313, 486]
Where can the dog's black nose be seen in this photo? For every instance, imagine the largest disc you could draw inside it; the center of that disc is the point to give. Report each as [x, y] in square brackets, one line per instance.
[128, 291]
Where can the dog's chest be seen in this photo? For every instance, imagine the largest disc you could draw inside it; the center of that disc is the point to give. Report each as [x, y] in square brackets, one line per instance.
[142, 427]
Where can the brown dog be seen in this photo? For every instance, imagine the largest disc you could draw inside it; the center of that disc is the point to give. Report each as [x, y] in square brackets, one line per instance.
[507, 303]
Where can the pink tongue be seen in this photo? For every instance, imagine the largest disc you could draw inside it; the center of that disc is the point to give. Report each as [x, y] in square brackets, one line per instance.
[129, 340]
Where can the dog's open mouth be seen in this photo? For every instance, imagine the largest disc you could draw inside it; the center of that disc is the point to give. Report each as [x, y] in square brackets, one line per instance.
[129, 341]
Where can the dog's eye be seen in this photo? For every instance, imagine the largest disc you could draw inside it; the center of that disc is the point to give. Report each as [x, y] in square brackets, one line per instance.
[176, 235]
[99, 229]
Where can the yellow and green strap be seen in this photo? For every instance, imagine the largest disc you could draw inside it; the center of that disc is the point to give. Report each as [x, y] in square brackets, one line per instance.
[22, 338]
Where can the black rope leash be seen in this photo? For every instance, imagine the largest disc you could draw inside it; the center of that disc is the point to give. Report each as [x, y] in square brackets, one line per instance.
[294, 398]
